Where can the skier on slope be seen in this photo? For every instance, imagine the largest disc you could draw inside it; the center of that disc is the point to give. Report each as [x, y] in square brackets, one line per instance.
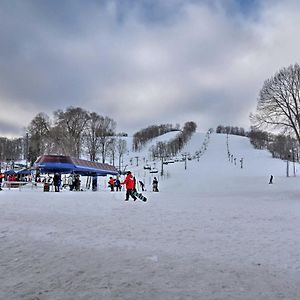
[130, 185]
[155, 185]
[142, 185]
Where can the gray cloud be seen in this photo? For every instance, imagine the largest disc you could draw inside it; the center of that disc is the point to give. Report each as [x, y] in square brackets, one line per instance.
[142, 62]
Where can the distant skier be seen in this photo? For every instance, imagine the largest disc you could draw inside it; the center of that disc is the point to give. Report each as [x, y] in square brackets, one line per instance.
[155, 185]
[271, 179]
[142, 185]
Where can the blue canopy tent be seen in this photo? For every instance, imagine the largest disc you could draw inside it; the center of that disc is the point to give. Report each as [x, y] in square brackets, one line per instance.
[68, 165]
[10, 172]
[23, 172]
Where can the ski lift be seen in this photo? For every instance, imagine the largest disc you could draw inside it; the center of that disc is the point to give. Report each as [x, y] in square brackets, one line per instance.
[170, 161]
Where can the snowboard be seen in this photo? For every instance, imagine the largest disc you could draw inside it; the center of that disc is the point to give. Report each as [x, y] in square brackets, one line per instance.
[139, 195]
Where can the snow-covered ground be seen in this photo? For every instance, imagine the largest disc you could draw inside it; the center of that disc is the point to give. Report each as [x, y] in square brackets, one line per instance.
[214, 231]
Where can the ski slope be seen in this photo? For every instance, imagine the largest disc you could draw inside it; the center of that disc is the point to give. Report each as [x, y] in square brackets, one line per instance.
[213, 171]
[214, 231]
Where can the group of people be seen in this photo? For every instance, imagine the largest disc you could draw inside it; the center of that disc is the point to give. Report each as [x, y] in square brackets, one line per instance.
[73, 182]
[10, 178]
[114, 184]
[130, 184]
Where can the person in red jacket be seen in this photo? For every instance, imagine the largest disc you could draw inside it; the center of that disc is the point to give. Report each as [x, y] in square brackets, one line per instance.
[111, 184]
[1, 178]
[130, 185]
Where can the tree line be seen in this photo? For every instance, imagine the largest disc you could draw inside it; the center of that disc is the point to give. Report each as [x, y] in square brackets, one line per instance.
[280, 145]
[12, 149]
[173, 147]
[73, 132]
[77, 132]
[231, 130]
[142, 137]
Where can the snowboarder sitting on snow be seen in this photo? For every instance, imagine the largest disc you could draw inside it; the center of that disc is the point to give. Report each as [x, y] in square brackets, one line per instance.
[130, 185]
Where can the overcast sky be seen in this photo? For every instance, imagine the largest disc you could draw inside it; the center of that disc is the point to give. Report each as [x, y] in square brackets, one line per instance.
[142, 62]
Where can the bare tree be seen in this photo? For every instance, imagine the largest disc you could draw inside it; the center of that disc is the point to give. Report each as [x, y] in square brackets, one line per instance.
[70, 126]
[105, 133]
[111, 149]
[145, 135]
[259, 139]
[279, 102]
[38, 132]
[3, 148]
[91, 135]
[121, 149]
[57, 143]
[171, 148]
[11, 149]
